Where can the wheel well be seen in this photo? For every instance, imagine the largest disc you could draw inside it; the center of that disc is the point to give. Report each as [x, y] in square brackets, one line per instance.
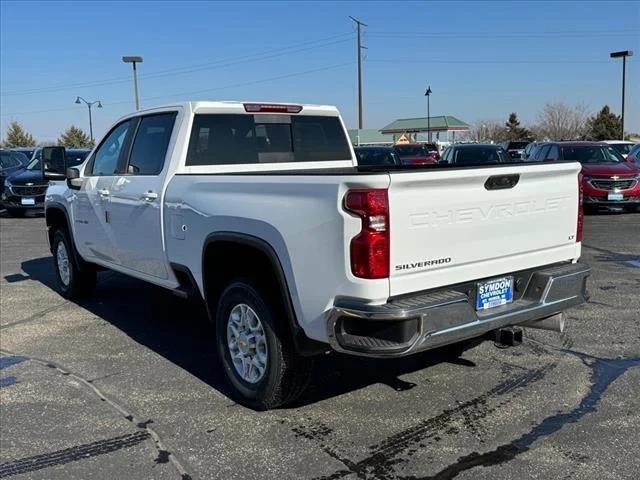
[229, 256]
[55, 218]
[225, 260]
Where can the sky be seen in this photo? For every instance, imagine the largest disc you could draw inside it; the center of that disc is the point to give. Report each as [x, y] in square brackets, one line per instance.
[482, 60]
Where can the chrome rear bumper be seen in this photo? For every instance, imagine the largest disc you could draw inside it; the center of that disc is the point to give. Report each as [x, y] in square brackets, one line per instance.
[424, 321]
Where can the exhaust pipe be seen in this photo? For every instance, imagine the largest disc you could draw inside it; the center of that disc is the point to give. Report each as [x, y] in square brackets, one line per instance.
[555, 323]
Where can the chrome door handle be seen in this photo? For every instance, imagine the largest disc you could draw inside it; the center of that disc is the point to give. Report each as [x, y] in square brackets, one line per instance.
[103, 192]
[149, 196]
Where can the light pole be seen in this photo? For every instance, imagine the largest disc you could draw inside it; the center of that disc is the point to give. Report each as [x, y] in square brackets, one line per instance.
[89, 104]
[624, 54]
[428, 95]
[133, 60]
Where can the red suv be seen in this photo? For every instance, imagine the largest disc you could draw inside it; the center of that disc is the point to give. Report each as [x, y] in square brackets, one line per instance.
[607, 179]
[417, 153]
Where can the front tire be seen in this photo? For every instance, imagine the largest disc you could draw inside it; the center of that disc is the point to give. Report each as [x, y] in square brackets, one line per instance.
[255, 350]
[73, 282]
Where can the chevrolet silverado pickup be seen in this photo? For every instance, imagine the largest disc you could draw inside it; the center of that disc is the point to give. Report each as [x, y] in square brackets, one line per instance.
[261, 211]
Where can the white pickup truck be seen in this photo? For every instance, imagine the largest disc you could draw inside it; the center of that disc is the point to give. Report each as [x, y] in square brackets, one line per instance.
[262, 211]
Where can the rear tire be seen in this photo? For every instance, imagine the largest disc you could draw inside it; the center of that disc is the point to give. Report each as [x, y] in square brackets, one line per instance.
[16, 212]
[73, 282]
[255, 349]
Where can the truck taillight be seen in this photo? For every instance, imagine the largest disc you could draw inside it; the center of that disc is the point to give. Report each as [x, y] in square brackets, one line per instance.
[370, 248]
[580, 222]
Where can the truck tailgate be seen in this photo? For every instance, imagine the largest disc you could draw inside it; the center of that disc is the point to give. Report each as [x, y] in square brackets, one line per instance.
[447, 227]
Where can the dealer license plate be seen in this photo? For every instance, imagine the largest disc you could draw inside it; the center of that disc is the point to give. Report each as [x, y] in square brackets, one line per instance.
[615, 196]
[28, 201]
[494, 293]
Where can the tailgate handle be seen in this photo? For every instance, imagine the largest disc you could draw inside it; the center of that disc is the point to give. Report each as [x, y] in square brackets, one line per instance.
[501, 182]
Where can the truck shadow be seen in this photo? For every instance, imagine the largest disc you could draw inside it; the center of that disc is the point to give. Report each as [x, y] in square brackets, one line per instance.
[179, 330]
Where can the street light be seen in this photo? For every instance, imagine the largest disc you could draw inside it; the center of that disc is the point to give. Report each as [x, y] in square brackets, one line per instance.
[624, 54]
[134, 60]
[89, 104]
[428, 95]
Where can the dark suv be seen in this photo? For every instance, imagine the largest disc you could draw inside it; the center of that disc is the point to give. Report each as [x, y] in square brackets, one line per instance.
[25, 189]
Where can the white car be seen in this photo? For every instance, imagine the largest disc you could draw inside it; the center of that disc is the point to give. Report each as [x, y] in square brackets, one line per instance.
[622, 146]
[261, 210]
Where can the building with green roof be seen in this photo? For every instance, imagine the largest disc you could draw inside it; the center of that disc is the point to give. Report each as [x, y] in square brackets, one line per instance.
[369, 136]
[410, 127]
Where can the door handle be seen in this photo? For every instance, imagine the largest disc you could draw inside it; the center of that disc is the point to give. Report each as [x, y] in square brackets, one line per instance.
[149, 196]
[103, 192]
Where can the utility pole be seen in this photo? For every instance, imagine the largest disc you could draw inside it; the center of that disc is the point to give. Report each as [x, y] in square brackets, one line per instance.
[360, 48]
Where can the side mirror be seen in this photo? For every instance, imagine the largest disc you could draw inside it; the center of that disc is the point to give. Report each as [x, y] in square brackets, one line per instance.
[73, 178]
[54, 163]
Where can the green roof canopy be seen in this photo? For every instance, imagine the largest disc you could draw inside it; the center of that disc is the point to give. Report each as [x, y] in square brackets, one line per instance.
[436, 124]
[368, 136]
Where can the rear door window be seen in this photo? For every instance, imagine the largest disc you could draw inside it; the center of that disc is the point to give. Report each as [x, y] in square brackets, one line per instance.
[150, 145]
[229, 139]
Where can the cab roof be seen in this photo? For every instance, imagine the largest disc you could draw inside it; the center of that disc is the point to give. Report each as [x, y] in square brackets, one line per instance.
[235, 106]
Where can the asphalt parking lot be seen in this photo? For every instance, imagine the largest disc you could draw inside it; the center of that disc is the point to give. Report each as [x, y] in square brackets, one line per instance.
[126, 385]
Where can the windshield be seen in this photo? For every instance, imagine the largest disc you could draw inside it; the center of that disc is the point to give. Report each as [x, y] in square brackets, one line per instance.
[517, 145]
[622, 148]
[592, 154]
[34, 165]
[411, 150]
[377, 156]
[478, 155]
[7, 160]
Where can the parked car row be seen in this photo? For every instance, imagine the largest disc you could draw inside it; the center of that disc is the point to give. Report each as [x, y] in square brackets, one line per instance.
[23, 187]
[515, 149]
[609, 179]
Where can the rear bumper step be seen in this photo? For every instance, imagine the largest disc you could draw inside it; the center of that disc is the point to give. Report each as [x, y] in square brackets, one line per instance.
[412, 324]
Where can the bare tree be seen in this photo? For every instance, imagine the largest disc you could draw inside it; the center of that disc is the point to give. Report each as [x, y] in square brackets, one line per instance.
[558, 121]
[486, 131]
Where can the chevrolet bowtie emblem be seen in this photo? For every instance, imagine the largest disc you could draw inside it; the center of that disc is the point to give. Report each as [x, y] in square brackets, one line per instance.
[615, 177]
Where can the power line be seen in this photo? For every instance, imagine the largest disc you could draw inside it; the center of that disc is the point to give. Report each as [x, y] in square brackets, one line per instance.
[480, 62]
[252, 82]
[222, 63]
[467, 34]
[360, 48]
[173, 95]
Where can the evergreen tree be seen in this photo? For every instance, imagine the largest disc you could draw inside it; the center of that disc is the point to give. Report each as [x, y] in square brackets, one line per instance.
[74, 137]
[605, 125]
[514, 130]
[17, 136]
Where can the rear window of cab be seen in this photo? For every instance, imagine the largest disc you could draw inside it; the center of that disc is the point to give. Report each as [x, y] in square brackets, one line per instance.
[231, 139]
